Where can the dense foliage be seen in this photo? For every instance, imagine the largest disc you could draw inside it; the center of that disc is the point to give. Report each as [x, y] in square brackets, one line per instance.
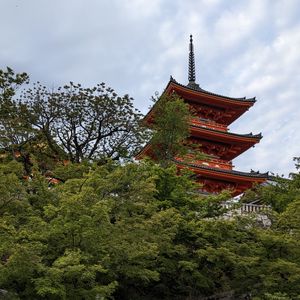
[170, 131]
[136, 231]
[14, 129]
[170, 127]
[86, 123]
[281, 193]
[111, 230]
[72, 122]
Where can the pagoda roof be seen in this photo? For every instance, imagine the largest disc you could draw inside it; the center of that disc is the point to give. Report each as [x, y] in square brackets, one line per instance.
[196, 87]
[245, 141]
[252, 174]
[193, 93]
[250, 135]
[240, 181]
[239, 143]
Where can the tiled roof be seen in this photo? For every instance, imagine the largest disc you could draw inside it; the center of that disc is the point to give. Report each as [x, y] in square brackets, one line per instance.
[248, 135]
[246, 174]
[196, 87]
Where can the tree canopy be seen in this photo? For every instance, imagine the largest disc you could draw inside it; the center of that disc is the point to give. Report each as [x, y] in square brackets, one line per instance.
[170, 130]
[136, 231]
[71, 122]
[86, 123]
[13, 128]
[123, 230]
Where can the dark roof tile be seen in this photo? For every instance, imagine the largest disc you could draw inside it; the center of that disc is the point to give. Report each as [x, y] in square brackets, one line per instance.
[250, 135]
[247, 174]
[196, 87]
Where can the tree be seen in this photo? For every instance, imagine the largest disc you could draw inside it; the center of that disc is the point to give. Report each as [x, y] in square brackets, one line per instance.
[279, 256]
[85, 123]
[10, 82]
[128, 231]
[136, 231]
[14, 130]
[170, 126]
[170, 131]
[280, 193]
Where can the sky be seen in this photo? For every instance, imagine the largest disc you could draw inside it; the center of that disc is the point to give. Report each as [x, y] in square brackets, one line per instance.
[242, 48]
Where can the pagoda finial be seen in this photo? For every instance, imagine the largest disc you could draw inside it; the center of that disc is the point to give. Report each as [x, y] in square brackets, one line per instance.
[192, 73]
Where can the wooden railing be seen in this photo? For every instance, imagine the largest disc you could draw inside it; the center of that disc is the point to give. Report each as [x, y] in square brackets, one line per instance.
[209, 162]
[246, 207]
[209, 124]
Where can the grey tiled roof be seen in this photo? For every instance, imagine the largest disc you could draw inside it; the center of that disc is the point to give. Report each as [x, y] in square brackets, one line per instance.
[249, 135]
[196, 87]
[219, 170]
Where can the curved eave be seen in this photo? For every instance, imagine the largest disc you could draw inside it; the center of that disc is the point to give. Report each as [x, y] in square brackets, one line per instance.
[224, 136]
[198, 95]
[195, 89]
[145, 151]
[223, 174]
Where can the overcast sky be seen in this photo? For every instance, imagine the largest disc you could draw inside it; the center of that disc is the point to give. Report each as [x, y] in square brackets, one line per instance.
[242, 48]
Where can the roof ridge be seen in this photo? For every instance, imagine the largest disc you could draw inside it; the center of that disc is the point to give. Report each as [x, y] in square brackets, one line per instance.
[259, 135]
[195, 87]
[251, 174]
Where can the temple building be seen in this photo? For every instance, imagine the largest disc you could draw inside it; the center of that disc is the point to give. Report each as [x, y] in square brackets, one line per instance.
[209, 129]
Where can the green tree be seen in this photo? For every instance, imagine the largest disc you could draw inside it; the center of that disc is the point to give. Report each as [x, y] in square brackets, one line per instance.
[113, 230]
[279, 257]
[170, 126]
[10, 82]
[85, 123]
[281, 192]
[138, 231]
[130, 231]
[14, 131]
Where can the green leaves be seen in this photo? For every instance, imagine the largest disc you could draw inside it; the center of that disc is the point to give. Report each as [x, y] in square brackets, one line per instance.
[12, 192]
[14, 130]
[125, 231]
[138, 231]
[85, 123]
[170, 128]
[50, 127]
[9, 83]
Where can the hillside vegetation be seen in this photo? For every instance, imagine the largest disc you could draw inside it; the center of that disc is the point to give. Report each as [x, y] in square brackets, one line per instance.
[80, 220]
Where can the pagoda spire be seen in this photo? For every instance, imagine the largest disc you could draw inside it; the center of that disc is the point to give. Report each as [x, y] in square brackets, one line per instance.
[192, 72]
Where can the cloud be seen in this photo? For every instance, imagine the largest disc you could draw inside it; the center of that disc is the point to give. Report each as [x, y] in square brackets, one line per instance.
[236, 24]
[273, 75]
[243, 48]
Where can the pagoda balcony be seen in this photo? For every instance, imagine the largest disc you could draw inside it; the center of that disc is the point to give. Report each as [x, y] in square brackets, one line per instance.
[209, 124]
[208, 162]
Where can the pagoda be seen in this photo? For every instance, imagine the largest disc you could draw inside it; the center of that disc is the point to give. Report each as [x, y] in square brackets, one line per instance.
[213, 114]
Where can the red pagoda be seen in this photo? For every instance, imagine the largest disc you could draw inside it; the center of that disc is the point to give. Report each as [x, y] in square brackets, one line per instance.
[209, 129]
